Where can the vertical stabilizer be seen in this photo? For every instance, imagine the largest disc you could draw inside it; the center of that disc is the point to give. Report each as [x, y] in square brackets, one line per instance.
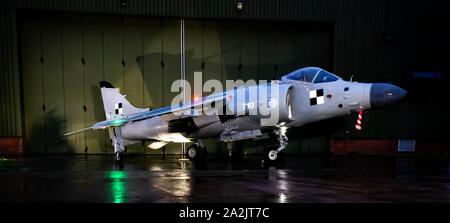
[115, 104]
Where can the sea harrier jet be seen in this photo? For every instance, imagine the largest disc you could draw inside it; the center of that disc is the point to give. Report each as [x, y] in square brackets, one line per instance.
[303, 96]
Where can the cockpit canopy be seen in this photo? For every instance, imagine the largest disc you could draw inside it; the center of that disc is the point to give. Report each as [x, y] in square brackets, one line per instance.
[311, 75]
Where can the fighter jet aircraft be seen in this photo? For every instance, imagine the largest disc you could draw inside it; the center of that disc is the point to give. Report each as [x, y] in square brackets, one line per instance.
[303, 96]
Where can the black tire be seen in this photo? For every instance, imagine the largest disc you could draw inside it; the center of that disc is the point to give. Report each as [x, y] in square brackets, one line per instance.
[279, 156]
[272, 155]
[195, 152]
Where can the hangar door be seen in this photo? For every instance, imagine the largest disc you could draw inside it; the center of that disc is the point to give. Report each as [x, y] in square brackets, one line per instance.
[63, 58]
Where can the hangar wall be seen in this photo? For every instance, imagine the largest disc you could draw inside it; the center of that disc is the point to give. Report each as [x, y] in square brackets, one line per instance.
[373, 41]
[65, 56]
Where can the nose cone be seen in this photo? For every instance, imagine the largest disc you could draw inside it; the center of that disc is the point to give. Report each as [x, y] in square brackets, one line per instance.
[385, 94]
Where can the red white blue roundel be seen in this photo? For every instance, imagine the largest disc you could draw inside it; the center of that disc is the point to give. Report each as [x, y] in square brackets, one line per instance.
[316, 97]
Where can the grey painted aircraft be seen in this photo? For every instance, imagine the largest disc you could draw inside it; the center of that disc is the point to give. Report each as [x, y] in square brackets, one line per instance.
[304, 96]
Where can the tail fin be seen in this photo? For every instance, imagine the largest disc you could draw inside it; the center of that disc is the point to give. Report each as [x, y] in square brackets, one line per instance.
[115, 103]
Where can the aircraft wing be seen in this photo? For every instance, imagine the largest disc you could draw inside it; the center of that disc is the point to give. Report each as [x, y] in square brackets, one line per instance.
[122, 120]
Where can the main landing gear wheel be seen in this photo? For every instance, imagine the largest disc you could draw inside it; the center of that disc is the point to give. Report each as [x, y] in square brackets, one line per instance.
[192, 152]
[195, 151]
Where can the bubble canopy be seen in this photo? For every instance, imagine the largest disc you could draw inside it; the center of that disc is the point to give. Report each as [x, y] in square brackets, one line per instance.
[311, 75]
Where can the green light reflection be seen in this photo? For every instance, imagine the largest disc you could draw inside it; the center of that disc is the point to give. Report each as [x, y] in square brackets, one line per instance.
[118, 186]
[118, 121]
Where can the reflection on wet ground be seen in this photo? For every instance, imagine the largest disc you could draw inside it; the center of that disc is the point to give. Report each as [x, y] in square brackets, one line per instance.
[155, 178]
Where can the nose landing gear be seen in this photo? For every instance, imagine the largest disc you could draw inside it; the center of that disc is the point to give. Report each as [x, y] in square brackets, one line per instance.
[283, 140]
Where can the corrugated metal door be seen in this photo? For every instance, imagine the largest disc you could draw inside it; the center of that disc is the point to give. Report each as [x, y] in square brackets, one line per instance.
[65, 56]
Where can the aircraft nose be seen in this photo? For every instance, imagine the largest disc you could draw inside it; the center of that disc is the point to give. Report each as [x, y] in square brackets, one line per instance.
[385, 94]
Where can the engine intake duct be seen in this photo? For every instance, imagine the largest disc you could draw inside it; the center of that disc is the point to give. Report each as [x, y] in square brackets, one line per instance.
[182, 125]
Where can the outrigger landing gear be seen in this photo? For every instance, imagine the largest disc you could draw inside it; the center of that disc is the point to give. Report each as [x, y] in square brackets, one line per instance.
[196, 150]
[120, 156]
[283, 140]
[119, 148]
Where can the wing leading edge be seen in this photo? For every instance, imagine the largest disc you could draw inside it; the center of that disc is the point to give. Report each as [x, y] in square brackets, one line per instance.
[119, 121]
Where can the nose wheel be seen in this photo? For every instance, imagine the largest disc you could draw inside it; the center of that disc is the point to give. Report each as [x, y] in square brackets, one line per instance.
[273, 154]
[283, 140]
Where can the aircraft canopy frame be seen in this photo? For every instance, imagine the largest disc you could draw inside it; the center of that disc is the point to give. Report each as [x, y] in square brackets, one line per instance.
[311, 75]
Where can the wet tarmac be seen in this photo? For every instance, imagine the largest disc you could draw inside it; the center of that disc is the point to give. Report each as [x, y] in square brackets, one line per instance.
[293, 179]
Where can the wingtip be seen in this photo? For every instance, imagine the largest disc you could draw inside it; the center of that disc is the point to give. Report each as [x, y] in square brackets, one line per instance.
[77, 131]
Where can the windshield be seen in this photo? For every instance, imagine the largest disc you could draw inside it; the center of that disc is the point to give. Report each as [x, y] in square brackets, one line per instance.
[325, 76]
[304, 74]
